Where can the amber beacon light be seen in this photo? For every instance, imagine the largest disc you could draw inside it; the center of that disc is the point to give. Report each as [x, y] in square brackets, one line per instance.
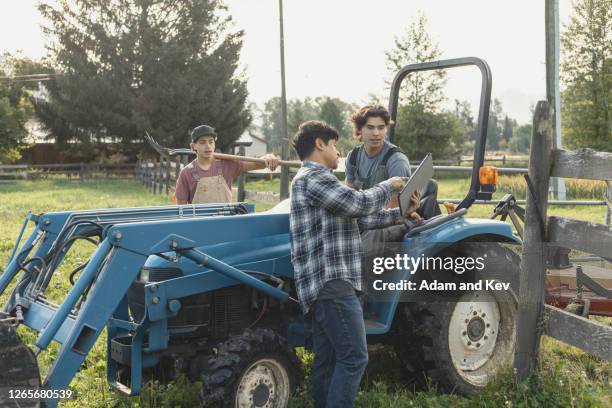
[488, 175]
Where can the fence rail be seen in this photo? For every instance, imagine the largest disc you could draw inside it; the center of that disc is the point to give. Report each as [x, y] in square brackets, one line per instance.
[80, 171]
[541, 232]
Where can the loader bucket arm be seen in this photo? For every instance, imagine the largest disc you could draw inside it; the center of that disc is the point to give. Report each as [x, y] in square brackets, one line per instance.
[98, 296]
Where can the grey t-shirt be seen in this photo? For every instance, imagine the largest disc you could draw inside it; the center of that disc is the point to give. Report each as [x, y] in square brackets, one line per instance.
[397, 165]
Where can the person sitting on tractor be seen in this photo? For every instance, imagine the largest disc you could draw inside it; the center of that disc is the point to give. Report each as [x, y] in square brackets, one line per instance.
[376, 159]
[206, 180]
[324, 223]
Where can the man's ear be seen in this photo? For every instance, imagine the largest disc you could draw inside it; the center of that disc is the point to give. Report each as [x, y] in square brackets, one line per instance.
[319, 144]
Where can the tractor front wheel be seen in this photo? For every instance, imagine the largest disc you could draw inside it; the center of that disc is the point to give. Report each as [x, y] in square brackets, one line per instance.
[18, 367]
[463, 342]
[254, 369]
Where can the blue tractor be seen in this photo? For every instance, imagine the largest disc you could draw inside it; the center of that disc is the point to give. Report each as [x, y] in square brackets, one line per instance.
[207, 291]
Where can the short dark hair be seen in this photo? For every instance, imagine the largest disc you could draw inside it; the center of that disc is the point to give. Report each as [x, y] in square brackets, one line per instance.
[308, 132]
[360, 117]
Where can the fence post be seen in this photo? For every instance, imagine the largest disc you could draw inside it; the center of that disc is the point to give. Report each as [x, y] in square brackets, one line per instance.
[533, 260]
[608, 200]
[177, 170]
[242, 177]
[168, 161]
[145, 174]
[156, 176]
[155, 164]
[150, 174]
[153, 173]
[162, 179]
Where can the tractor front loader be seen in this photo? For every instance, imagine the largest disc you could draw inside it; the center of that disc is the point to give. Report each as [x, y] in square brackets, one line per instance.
[150, 313]
[207, 292]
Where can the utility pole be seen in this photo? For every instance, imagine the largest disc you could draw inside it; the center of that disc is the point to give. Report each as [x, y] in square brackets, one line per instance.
[553, 94]
[284, 180]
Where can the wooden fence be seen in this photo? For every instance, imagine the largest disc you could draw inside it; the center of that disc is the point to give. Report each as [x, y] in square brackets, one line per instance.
[541, 232]
[78, 171]
[160, 178]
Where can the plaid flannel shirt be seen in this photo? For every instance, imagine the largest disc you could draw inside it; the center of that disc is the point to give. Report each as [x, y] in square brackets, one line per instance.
[325, 220]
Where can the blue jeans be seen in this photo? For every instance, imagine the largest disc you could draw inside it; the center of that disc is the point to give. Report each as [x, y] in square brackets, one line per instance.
[340, 348]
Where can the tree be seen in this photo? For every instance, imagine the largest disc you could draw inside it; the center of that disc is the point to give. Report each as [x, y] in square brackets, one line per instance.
[521, 139]
[421, 88]
[337, 113]
[494, 128]
[331, 110]
[135, 65]
[422, 125]
[463, 138]
[299, 111]
[463, 111]
[508, 128]
[428, 132]
[270, 122]
[15, 104]
[587, 75]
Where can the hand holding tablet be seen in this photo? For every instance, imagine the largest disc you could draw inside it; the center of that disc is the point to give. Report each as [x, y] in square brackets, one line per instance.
[416, 183]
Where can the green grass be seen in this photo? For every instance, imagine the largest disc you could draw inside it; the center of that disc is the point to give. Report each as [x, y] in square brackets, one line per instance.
[566, 376]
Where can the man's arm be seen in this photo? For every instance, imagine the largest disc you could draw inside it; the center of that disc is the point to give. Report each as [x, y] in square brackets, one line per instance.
[387, 217]
[381, 219]
[349, 170]
[271, 163]
[394, 202]
[326, 191]
[397, 166]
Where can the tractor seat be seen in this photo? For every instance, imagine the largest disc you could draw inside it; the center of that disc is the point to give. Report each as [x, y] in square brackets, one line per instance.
[429, 201]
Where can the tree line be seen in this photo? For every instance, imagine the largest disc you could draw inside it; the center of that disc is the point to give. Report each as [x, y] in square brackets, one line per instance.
[123, 67]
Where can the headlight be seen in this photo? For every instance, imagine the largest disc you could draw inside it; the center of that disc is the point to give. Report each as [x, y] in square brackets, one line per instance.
[144, 275]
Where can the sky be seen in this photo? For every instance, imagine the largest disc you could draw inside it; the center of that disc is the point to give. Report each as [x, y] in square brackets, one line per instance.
[337, 47]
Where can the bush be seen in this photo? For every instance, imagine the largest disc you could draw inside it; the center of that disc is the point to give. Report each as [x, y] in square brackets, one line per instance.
[9, 155]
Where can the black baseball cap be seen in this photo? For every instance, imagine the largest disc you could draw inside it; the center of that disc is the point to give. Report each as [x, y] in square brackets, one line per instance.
[202, 130]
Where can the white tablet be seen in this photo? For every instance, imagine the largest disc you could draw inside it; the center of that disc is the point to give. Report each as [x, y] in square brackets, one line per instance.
[417, 182]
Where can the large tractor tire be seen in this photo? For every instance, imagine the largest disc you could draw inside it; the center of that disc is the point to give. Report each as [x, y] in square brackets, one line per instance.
[18, 368]
[254, 369]
[463, 342]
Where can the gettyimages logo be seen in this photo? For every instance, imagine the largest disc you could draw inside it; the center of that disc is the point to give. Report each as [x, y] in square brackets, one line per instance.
[404, 262]
[442, 273]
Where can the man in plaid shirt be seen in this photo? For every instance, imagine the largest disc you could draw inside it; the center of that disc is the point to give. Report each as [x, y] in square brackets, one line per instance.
[325, 220]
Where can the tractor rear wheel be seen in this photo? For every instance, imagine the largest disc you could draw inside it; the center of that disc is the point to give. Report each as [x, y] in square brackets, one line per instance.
[18, 367]
[254, 369]
[462, 342]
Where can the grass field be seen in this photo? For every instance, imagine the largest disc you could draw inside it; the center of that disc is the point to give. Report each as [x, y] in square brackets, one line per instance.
[566, 376]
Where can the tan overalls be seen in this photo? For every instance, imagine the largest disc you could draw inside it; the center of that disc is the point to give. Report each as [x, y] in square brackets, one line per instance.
[212, 189]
